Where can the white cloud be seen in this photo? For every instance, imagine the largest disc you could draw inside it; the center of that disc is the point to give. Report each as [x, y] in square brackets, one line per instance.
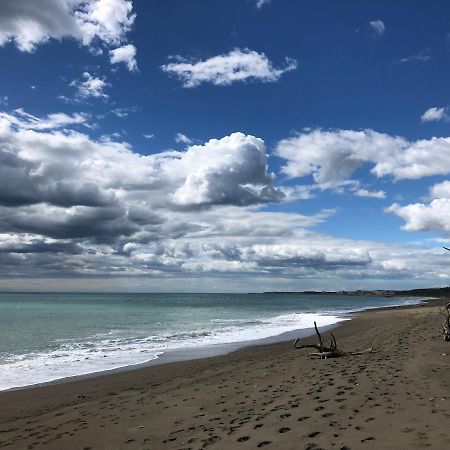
[370, 194]
[238, 65]
[231, 170]
[440, 190]
[90, 86]
[260, 3]
[422, 56]
[182, 138]
[68, 165]
[434, 216]
[108, 20]
[435, 115]
[148, 136]
[333, 156]
[421, 217]
[298, 192]
[29, 23]
[124, 112]
[23, 120]
[378, 27]
[4, 100]
[125, 54]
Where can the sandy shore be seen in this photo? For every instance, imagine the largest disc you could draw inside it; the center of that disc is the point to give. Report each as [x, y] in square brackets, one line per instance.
[261, 397]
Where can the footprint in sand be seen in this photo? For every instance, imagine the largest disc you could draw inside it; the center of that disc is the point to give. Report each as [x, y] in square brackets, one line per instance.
[313, 434]
[301, 419]
[312, 446]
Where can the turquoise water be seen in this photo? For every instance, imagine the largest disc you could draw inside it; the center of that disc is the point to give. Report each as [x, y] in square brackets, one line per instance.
[44, 337]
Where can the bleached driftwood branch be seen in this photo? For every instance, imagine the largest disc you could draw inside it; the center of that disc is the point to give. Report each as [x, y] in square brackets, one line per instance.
[330, 351]
[445, 311]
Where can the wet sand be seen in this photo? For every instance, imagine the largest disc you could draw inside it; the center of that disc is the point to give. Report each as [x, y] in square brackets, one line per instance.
[259, 397]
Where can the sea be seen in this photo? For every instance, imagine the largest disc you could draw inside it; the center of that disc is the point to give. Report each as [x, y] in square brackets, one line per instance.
[46, 337]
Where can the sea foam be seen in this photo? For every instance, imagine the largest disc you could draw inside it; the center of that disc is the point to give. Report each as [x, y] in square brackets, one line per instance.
[106, 352]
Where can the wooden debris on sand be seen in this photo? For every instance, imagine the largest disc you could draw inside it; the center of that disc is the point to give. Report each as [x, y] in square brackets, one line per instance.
[330, 351]
[445, 311]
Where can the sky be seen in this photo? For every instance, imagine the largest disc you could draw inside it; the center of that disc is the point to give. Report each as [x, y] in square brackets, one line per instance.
[225, 146]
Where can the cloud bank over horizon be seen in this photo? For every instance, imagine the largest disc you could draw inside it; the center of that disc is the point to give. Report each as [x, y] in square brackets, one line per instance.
[71, 205]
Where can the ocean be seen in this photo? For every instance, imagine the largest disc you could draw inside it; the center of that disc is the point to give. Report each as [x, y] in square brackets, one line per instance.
[50, 336]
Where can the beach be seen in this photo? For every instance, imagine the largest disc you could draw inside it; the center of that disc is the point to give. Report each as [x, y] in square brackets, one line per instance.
[269, 396]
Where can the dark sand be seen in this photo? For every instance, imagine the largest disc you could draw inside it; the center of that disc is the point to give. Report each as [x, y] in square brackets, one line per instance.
[261, 397]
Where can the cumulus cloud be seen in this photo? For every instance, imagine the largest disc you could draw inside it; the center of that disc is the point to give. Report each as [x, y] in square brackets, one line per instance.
[26, 244]
[182, 138]
[434, 216]
[97, 220]
[420, 217]
[90, 86]
[377, 27]
[370, 194]
[440, 190]
[333, 156]
[231, 170]
[221, 70]
[28, 23]
[125, 54]
[82, 180]
[435, 115]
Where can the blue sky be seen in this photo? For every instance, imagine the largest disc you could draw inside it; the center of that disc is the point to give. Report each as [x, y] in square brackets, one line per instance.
[325, 121]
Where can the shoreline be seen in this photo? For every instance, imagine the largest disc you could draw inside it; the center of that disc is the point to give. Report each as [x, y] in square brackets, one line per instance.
[398, 397]
[212, 350]
[187, 354]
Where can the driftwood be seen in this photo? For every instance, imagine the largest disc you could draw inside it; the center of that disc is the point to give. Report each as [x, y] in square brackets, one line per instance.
[445, 311]
[330, 351]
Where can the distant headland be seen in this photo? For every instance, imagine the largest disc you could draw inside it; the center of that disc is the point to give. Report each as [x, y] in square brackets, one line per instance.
[425, 292]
